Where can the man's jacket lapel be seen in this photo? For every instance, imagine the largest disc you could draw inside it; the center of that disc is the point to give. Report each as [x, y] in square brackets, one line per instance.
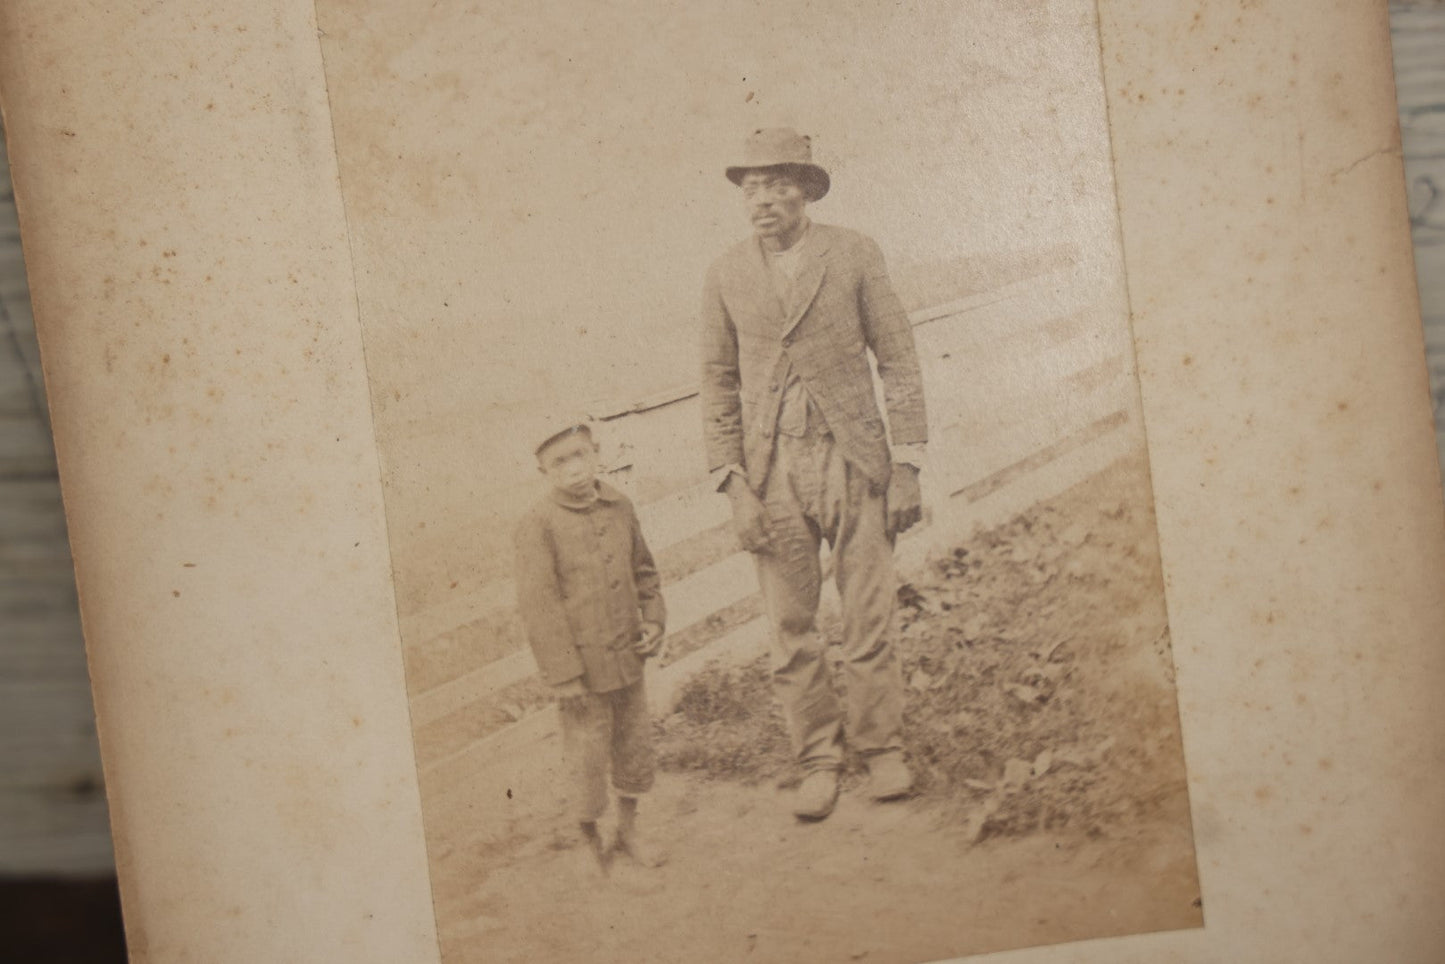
[810, 278]
[757, 280]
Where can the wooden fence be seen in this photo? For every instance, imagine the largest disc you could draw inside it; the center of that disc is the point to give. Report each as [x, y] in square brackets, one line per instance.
[1030, 388]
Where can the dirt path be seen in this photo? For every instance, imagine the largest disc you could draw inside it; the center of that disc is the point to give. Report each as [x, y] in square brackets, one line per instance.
[878, 883]
[1041, 726]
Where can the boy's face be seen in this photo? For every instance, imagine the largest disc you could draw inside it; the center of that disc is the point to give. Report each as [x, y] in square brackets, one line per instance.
[570, 464]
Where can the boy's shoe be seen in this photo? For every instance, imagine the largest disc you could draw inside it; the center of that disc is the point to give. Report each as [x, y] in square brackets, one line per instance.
[593, 857]
[888, 776]
[816, 795]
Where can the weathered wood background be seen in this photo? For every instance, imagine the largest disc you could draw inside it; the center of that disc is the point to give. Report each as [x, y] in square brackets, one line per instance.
[52, 808]
[1418, 30]
[52, 799]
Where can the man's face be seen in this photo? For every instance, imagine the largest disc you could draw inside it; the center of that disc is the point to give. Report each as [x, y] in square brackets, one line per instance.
[570, 464]
[775, 204]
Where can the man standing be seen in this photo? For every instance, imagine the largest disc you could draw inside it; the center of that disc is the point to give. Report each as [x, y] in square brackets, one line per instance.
[795, 438]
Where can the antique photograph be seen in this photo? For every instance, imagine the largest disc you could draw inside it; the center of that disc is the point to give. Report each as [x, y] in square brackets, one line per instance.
[766, 484]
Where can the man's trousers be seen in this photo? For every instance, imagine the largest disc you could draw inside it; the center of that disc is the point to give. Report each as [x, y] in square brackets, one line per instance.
[813, 494]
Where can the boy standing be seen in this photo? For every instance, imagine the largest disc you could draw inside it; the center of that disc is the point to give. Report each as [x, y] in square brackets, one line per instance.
[591, 604]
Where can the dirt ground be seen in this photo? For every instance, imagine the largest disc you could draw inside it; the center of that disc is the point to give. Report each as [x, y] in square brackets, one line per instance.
[1051, 801]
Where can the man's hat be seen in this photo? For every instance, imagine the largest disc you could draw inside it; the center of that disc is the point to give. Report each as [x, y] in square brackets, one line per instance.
[785, 148]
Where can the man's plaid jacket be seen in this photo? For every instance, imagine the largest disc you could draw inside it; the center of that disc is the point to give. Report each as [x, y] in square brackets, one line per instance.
[840, 307]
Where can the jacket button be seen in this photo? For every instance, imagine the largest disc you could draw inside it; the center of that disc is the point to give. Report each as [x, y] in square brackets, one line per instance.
[773, 387]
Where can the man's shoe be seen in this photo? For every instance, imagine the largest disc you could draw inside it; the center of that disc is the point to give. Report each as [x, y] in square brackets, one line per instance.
[816, 796]
[635, 847]
[629, 842]
[888, 776]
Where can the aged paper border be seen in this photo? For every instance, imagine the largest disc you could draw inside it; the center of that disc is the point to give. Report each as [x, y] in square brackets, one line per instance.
[263, 795]
[191, 280]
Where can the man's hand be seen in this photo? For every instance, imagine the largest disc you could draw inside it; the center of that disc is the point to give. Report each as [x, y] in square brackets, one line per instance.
[750, 518]
[649, 642]
[904, 502]
[571, 694]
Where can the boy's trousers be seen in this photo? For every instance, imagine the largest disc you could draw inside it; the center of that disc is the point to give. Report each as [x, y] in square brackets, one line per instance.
[813, 494]
[607, 728]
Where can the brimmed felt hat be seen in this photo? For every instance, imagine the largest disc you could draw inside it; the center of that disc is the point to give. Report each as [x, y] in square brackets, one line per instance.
[785, 148]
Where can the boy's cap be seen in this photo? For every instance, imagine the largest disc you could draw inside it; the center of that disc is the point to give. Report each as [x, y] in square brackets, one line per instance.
[555, 428]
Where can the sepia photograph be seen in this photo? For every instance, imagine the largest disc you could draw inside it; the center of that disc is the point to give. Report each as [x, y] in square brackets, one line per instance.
[765, 478]
[649, 482]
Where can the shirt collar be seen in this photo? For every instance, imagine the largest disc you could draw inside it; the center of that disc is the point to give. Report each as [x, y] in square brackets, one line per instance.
[605, 493]
[797, 245]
